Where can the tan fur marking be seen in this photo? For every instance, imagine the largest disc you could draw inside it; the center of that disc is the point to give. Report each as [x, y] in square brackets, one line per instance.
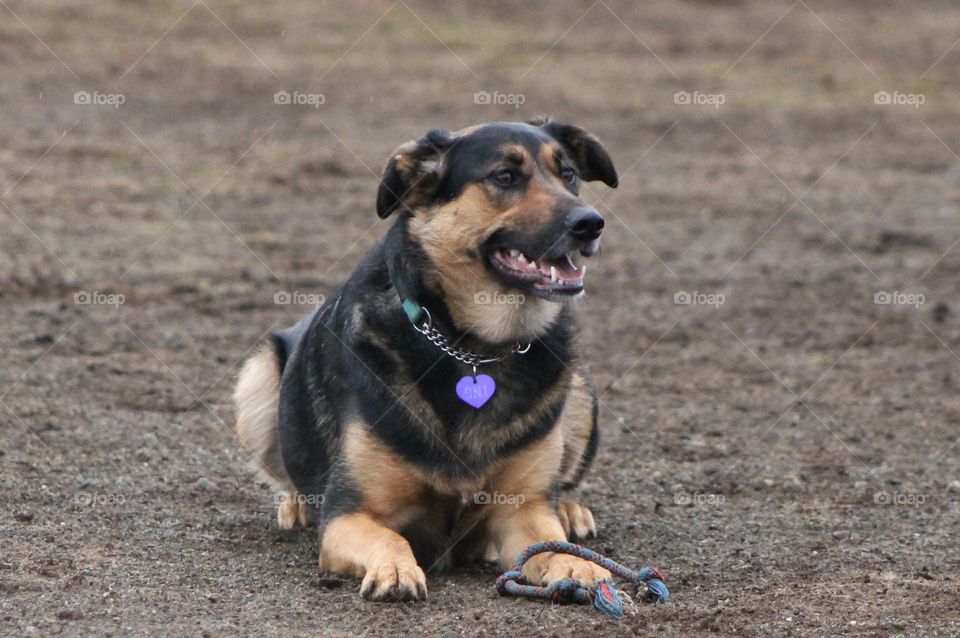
[451, 236]
[576, 423]
[255, 399]
[391, 490]
[548, 158]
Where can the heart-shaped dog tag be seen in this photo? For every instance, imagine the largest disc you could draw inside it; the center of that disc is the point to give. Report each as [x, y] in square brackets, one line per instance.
[476, 390]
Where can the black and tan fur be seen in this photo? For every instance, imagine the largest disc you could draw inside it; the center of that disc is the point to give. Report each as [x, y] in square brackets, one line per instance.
[353, 414]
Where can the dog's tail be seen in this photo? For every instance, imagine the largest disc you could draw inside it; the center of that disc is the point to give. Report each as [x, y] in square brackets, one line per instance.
[256, 398]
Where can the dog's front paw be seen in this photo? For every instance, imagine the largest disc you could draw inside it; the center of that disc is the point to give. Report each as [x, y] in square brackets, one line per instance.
[556, 567]
[577, 520]
[395, 580]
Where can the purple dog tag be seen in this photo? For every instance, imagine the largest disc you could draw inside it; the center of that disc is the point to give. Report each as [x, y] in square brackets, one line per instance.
[476, 390]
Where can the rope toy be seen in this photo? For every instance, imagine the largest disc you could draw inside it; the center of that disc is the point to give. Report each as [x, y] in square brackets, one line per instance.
[648, 583]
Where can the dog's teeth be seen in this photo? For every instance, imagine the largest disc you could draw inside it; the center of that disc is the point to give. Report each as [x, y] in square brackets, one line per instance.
[514, 253]
[553, 274]
[533, 265]
[521, 257]
[583, 271]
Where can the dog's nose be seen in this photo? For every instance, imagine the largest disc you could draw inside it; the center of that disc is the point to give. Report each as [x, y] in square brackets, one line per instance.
[585, 223]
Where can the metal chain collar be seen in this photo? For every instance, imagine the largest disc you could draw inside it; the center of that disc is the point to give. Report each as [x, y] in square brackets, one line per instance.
[473, 359]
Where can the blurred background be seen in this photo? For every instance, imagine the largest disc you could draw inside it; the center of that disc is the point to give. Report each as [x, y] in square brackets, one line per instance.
[772, 323]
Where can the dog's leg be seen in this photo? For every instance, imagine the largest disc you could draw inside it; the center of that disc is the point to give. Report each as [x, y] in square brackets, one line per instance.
[292, 511]
[258, 388]
[533, 522]
[529, 517]
[578, 422]
[358, 544]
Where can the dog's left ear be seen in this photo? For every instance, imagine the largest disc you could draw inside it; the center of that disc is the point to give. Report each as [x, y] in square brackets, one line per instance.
[592, 160]
[412, 173]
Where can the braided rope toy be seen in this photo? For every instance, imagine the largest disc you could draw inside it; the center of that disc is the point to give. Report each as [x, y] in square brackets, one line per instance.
[648, 583]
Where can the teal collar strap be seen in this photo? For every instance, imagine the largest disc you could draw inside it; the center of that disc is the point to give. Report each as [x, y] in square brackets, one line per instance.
[413, 310]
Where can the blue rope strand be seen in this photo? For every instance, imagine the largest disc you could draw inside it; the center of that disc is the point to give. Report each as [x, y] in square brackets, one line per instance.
[602, 593]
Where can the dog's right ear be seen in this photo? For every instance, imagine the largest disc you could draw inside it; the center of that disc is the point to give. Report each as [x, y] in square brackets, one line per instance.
[412, 173]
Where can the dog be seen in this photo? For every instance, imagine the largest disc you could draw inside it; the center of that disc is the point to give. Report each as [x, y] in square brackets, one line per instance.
[434, 410]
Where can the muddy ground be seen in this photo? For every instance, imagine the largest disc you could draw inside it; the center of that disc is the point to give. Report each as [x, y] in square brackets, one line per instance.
[784, 447]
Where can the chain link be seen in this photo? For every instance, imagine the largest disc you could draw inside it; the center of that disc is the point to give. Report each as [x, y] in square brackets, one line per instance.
[464, 356]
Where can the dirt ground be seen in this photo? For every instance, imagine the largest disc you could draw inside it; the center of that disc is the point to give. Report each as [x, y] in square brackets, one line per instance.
[784, 447]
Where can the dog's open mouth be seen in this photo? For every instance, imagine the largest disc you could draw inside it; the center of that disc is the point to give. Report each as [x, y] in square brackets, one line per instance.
[547, 275]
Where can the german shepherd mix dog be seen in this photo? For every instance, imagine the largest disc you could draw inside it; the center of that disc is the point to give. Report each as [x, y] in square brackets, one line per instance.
[433, 410]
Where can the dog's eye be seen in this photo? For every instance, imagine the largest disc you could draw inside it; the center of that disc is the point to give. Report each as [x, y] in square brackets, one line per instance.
[505, 177]
[569, 175]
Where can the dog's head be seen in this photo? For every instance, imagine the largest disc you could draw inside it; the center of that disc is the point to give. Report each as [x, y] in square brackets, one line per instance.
[497, 210]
